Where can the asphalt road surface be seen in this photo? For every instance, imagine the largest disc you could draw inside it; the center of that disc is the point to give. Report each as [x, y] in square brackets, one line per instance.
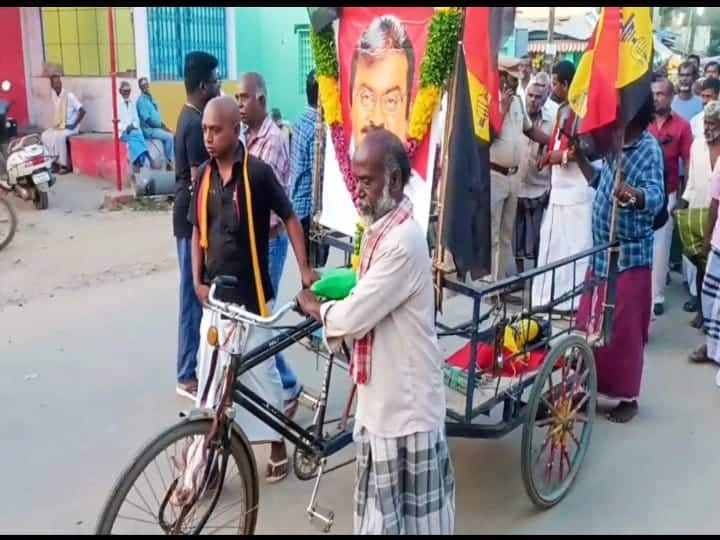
[87, 348]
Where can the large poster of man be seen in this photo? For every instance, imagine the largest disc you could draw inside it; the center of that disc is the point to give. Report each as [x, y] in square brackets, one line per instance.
[380, 50]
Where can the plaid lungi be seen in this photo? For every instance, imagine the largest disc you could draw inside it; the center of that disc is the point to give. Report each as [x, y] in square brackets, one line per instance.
[405, 485]
[711, 305]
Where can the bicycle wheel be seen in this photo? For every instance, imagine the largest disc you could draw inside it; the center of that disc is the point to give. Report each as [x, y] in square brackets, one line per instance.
[556, 434]
[8, 222]
[141, 501]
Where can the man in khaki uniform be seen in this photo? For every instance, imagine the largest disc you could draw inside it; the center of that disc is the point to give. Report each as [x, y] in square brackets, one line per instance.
[505, 156]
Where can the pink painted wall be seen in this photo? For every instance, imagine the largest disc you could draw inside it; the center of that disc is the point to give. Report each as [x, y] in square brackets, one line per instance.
[12, 64]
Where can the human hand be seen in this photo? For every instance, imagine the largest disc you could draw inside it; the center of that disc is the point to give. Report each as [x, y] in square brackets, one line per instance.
[308, 303]
[308, 277]
[506, 100]
[203, 292]
[626, 194]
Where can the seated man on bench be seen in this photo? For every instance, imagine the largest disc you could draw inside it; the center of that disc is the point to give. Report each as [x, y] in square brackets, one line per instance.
[151, 122]
[129, 129]
[68, 112]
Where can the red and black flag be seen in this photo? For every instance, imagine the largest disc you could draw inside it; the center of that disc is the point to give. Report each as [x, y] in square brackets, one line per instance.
[476, 109]
[466, 214]
[485, 29]
[614, 73]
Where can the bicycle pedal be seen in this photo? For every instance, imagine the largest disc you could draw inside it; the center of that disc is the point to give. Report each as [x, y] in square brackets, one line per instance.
[321, 517]
[309, 400]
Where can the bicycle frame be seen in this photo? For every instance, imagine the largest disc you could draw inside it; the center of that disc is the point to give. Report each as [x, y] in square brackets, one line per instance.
[311, 442]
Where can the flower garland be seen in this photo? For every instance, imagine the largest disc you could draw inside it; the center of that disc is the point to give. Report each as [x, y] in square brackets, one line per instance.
[435, 68]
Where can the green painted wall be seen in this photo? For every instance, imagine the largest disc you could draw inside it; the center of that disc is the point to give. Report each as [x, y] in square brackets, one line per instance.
[267, 42]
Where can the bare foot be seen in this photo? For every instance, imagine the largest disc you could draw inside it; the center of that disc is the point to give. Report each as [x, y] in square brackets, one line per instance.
[699, 355]
[624, 412]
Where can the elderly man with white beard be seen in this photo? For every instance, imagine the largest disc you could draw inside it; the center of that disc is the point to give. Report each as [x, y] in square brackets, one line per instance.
[405, 482]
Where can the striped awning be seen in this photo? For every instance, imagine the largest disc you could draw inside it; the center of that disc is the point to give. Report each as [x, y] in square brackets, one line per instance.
[563, 46]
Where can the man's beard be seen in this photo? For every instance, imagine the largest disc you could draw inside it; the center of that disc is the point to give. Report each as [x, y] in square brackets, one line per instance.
[711, 136]
[383, 206]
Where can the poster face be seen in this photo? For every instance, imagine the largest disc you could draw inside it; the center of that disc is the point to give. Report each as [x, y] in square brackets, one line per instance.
[380, 50]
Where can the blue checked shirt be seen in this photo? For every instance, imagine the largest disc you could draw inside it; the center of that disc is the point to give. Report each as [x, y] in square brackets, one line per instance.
[302, 158]
[642, 165]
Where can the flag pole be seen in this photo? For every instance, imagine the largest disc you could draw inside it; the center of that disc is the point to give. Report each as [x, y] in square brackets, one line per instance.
[439, 266]
[316, 198]
[613, 251]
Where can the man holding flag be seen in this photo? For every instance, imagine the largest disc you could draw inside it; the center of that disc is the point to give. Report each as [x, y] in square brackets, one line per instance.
[625, 204]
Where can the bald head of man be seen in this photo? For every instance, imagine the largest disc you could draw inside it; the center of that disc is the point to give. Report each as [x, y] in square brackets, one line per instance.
[252, 99]
[382, 168]
[221, 127]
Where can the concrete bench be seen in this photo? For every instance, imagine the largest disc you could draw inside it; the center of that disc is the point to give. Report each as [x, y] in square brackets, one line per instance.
[93, 154]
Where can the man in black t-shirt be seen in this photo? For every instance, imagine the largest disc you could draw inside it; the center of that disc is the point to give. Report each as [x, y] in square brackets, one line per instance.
[222, 245]
[201, 85]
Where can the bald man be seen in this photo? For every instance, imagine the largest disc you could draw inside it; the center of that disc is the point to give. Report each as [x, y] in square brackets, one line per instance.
[266, 141]
[221, 247]
[405, 482]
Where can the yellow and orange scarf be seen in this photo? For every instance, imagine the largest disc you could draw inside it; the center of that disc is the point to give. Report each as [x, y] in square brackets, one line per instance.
[202, 214]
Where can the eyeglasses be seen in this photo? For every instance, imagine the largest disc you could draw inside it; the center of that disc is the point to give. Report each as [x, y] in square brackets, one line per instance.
[389, 102]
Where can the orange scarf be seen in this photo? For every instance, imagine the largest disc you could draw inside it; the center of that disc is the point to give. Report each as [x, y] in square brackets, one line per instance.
[202, 214]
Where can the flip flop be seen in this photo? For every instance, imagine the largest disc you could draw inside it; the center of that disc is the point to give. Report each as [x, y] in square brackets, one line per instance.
[273, 477]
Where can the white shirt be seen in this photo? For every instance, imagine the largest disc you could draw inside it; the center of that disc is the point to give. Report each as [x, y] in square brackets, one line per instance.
[73, 105]
[569, 185]
[697, 190]
[127, 115]
[405, 393]
[697, 125]
[534, 183]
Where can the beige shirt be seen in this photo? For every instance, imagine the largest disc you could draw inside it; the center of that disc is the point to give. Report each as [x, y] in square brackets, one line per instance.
[405, 393]
[697, 190]
[505, 149]
[533, 182]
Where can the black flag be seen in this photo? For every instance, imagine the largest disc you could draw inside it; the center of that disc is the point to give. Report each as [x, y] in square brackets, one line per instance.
[466, 216]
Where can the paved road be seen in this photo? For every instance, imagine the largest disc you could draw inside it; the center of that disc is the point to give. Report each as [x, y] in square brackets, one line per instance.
[88, 378]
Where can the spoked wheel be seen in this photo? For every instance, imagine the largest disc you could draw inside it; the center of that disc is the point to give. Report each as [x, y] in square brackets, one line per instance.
[145, 500]
[557, 432]
[8, 222]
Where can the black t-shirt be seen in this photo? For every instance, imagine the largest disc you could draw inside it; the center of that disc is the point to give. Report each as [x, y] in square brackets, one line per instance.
[228, 250]
[189, 152]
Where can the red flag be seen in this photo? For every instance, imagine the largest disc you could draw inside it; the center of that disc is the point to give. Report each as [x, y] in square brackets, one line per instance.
[593, 94]
[484, 29]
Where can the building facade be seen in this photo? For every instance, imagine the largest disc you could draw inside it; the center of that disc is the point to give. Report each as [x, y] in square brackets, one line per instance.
[150, 42]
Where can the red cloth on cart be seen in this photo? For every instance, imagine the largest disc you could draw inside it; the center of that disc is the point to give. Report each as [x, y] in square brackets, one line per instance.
[484, 360]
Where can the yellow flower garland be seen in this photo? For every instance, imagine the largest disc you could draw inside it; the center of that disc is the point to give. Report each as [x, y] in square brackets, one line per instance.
[330, 99]
[426, 101]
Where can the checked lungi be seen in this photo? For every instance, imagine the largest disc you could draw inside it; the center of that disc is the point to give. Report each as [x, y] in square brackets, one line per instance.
[405, 485]
[711, 304]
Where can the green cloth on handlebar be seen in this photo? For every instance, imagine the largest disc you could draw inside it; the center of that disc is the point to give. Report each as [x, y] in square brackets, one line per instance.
[335, 284]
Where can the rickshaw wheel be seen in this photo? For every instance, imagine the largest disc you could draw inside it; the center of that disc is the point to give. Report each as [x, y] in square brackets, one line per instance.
[560, 417]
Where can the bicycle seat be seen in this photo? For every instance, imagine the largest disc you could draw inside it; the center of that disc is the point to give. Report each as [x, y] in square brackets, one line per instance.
[226, 282]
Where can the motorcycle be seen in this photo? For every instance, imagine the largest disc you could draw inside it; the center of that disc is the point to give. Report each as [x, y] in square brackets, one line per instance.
[25, 164]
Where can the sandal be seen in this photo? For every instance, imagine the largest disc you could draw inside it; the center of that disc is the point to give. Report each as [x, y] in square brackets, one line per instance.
[273, 475]
[699, 355]
[691, 306]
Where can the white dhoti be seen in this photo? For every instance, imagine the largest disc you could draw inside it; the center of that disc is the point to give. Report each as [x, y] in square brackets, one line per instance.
[55, 140]
[263, 379]
[566, 230]
[661, 254]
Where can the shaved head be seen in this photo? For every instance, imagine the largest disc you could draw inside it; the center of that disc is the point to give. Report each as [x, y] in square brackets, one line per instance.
[221, 127]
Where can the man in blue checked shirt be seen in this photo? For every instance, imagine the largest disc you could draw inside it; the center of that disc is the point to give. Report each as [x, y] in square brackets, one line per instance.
[640, 196]
[302, 161]
[151, 123]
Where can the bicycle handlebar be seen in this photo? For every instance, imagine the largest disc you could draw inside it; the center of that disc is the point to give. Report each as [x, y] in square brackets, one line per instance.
[239, 313]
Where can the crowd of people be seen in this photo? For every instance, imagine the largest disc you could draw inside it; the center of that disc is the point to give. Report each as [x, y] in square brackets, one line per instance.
[243, 196]
[561, 206]
[551, 200]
